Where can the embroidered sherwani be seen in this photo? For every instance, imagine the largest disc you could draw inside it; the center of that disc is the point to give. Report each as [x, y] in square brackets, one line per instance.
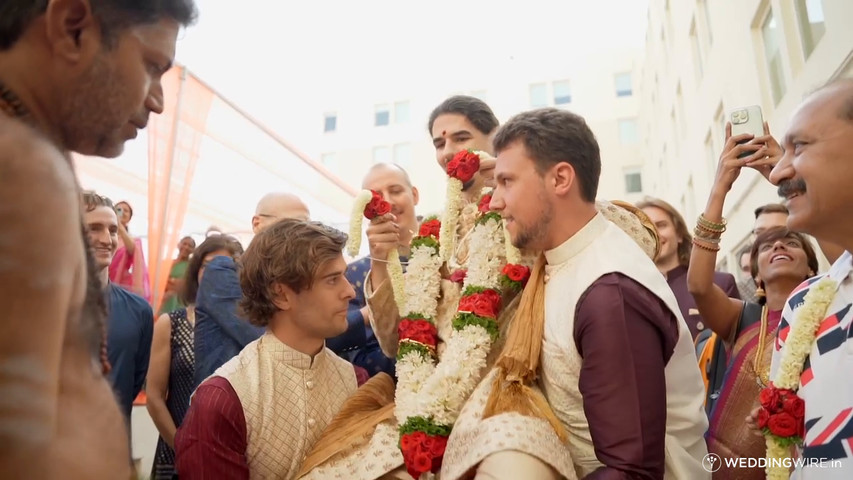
[596, 348]
[261, 412]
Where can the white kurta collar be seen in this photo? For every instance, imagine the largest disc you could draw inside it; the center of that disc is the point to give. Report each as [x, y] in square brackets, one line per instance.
[577, 242]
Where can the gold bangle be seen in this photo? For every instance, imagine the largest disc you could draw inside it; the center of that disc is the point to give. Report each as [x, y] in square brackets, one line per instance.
[704, 233]
[708, 240]
[704, 222]
[710, 248]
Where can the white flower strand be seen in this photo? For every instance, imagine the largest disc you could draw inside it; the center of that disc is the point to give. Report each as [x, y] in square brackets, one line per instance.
[484, 267]
[354, 241]
[398, 281]
[423, 282]
[513, 254]
[803, 333]
[413, 370]
[798, 346]
[446, 390]
[451, 218]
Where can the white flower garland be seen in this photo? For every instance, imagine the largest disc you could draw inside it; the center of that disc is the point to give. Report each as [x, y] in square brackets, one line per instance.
[438, 392]
[797, 347]
[451, 218]
[354, 241]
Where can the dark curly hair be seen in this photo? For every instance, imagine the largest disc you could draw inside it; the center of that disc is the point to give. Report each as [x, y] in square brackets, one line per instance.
[289, 252]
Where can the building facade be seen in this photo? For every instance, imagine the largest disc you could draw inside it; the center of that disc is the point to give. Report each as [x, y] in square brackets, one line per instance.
[391, 125]
[705, 58]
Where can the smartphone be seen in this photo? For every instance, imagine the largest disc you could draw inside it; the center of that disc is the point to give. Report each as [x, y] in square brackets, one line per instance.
[747, 120]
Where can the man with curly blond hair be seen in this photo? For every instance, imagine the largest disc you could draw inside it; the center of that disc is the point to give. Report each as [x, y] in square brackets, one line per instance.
[259, 413]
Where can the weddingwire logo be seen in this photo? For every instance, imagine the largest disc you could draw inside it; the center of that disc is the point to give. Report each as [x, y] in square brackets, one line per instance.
[712, 462]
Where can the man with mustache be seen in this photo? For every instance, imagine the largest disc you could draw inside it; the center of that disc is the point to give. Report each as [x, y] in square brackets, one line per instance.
[814, 176]
[82, 76]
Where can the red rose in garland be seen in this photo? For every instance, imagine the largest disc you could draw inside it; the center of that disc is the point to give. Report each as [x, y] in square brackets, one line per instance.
[763, 417]
[769, 398]
[794, 405]
[782, 425]
[483, 207]
[493, 297]
[430, 227]
[464, 165]
[377, 206]
[516, 273]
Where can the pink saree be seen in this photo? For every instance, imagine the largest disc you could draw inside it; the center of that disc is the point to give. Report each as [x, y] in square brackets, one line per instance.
[130, 271]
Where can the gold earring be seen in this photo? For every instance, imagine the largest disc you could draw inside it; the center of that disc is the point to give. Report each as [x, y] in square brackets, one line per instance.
[759, 292]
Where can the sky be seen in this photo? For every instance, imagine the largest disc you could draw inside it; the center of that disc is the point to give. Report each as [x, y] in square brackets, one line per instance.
[283, 61]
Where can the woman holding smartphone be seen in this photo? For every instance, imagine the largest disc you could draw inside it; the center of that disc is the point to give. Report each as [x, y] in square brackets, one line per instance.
[780, 260]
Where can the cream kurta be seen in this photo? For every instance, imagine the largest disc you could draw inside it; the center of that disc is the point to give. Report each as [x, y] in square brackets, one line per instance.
[288, 400]
[598, 249]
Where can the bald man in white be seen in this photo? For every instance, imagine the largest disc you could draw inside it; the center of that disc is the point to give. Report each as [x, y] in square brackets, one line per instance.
[276, 206]
[219, 332]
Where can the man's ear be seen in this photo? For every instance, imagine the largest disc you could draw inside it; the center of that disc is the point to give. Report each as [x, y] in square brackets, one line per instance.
[563, 175]
[72, 31]
[282, 296]
[256, 224]
[416, 195]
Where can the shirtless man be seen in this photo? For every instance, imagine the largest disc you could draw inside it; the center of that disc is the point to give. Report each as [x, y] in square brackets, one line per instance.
[75, 75]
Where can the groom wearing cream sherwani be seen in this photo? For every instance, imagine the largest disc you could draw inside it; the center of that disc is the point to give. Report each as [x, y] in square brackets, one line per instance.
[612, 354]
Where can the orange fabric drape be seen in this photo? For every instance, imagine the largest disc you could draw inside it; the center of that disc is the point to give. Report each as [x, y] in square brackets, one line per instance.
[174, 140]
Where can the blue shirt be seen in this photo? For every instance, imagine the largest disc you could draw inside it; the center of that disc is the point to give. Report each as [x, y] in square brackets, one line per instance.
[130, 328]
[219, 332]
[358, 344]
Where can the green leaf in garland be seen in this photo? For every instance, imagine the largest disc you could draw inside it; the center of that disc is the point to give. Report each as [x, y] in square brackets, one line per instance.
[510, 284]
[471, 290]
[784, 441]
[484, 218]
[408, 347]
[425, 242]
[462, 320]
[426, 425]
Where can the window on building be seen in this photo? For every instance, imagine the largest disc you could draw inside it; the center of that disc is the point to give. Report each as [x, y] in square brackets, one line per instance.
[330, 122]
[382, 115]
[706, 21]
[562, 92]
[539, 95]
[698, 60]
[623, 85]
[633, 181]
[381, 155]
[812, 24]
[402, 154]
[679, 105]
[771, 34]
[628, 131]
[401, 112]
